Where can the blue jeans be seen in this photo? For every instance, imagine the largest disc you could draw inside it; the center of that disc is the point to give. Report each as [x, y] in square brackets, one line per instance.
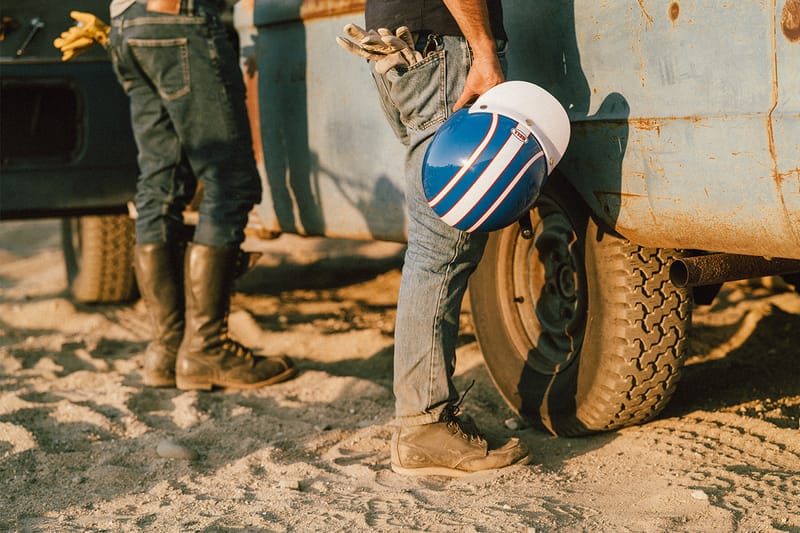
[439, 259]
[187, 99]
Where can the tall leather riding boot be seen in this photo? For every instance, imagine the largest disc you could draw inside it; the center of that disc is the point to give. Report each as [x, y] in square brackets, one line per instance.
[208, 357]
[159, 275]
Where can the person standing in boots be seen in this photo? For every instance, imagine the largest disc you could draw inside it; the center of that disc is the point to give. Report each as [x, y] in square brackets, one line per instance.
[187, 98]
[430, 58]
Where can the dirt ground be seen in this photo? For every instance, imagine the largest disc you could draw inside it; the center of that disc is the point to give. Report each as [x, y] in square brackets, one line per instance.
[85, 447]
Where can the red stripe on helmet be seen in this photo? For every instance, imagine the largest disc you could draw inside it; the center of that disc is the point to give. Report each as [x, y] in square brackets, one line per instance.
[452, 182]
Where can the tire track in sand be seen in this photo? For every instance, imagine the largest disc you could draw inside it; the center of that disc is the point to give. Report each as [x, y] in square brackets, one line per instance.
[740, 463]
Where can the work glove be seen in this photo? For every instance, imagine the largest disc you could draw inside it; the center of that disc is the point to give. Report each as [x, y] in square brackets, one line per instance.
[79, 38]
[388, 50]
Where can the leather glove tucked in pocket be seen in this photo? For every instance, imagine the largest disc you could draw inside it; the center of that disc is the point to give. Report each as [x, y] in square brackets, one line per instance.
[388, 50]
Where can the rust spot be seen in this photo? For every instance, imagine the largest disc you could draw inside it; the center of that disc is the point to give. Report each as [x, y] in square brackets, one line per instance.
[790, 20]
[646, 124]
[674, 11]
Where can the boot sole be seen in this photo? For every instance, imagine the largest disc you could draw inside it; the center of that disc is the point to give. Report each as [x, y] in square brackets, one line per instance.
[158, 381]
[447, 471]
[184, 383]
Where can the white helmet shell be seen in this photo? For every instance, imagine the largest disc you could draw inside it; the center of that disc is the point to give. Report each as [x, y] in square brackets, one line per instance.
[535, 109]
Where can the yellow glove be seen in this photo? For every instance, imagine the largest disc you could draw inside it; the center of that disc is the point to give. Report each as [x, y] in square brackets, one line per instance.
[388, 50]
[79, 38]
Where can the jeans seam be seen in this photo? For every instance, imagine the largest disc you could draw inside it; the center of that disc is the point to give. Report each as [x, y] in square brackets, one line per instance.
[437, 326]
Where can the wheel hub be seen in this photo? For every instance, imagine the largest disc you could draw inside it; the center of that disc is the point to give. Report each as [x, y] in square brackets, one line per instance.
[548, 298]
[566, 282]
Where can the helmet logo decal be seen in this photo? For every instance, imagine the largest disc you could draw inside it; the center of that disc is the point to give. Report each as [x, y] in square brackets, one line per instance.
[467, 164]
[494, 171]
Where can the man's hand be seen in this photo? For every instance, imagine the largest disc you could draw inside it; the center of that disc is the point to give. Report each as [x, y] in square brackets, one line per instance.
[472, 16]
[388, 50]
[79, 38]
[484, 74]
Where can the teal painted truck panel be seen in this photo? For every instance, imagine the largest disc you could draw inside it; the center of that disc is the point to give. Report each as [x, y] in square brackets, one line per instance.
[674, 111]
[686, 119]
[332, 165]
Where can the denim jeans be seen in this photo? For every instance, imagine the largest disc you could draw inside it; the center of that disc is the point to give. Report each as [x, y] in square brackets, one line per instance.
[439, 259]
[187, 100]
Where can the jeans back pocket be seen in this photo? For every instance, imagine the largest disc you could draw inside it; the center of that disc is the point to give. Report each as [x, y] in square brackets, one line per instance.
[166, 63]
[420, 93]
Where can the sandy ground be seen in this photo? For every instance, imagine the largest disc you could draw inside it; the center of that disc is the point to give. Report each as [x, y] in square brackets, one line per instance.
[85, 447]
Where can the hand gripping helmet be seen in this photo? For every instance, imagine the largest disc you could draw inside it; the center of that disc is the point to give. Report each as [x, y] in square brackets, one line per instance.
[485, 165]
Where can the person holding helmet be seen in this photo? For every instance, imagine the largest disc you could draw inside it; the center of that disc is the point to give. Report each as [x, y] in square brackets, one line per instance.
[187, 98]
[431, 58]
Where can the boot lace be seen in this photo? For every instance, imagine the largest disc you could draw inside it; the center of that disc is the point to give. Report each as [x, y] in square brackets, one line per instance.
[231, 346]
[234, 348]
[461, 424]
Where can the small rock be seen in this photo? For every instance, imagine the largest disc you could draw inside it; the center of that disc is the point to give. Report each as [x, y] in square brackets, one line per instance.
[699, 495]
[515, 424]
[292, 484]
[171, 450]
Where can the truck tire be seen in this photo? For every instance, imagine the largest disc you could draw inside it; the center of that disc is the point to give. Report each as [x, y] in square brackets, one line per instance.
[98, 253]
[581, 331]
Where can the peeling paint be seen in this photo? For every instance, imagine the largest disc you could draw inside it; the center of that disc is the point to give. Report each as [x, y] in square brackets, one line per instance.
[775, 95]
[250, 73]
[636, 40]
[647, 15]
[794, 173]
[646, 124]
[790, 20]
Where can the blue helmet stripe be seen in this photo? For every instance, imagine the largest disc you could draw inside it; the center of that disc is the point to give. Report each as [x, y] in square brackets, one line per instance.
[489, 212]
[494, 171]
[452, 182]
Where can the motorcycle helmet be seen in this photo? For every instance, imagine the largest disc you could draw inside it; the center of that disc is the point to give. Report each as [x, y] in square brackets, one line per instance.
[485, 165]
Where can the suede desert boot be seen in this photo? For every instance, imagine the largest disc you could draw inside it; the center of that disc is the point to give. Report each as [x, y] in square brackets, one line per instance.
[208, 357]
[451, 447]
[159, 275]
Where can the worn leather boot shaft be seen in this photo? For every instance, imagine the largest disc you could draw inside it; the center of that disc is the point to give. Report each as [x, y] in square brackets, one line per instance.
[159, 275]
[208, 357]
[209, 283]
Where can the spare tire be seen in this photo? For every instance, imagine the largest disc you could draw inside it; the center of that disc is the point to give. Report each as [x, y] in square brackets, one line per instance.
[581, 330]
[98, 254]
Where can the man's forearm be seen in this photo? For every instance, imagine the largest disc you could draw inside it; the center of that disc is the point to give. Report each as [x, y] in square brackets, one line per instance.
[472, 17]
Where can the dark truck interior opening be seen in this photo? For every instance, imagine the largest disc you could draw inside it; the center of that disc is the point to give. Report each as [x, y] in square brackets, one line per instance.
[39, 122]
